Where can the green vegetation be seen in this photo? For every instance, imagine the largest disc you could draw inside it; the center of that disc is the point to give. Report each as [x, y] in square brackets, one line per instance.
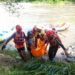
[47, 1]
[37, 67]
[10, 53]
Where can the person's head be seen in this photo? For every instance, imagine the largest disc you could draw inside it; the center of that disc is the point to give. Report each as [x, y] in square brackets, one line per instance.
[30, 34]
[18, 28]
[42, 35]
[34, 30]
[53, 28]
[50, 34]
[35, 27]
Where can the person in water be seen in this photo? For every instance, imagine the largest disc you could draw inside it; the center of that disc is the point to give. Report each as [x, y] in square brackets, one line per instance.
[19, 40]
[55, 43]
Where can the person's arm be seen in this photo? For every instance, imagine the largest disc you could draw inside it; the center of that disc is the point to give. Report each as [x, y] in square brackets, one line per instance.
[6, 41]
[59, 43]
[12, 36]
[26, 38]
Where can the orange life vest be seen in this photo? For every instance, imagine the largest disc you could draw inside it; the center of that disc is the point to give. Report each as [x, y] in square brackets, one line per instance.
[40, 50]
[19, 40]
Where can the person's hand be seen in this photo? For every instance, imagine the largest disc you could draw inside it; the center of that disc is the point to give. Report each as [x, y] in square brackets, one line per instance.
[66, 53]
[3, 47]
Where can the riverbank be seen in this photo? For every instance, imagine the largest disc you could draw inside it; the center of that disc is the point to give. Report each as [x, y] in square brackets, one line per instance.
[9, 66]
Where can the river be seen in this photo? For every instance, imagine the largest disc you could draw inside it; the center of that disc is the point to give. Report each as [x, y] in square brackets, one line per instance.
[28, 15]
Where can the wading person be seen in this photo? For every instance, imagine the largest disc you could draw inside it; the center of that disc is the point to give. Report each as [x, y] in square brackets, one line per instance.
[32, 36]
[29, 42]
[19, 40]
[55, 43]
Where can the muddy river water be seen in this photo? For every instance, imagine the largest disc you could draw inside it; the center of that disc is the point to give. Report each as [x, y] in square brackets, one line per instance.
[28, 14]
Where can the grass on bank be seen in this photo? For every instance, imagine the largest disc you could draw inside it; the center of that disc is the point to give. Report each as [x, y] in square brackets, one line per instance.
[37, 67]
[12, 53]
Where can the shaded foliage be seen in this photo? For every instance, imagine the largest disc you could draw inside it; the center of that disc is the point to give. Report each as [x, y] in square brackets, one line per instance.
[55, 1]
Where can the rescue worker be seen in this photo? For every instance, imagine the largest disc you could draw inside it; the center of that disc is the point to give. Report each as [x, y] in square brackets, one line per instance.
[29, 42]
[55, 43]
[19, 39]
[32, 36]
[36, 31]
